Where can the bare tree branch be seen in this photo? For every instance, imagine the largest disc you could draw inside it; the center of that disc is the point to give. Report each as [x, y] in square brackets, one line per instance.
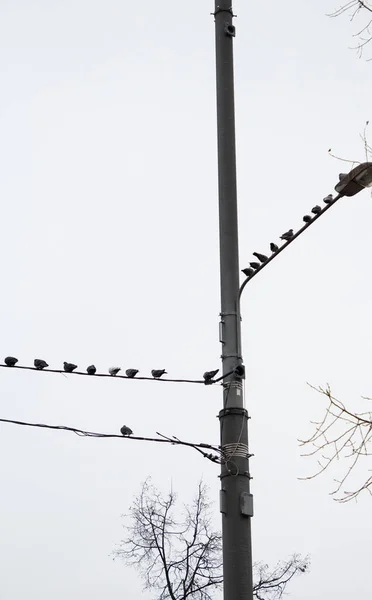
[341, 435]
[354, 9]
[181, 558]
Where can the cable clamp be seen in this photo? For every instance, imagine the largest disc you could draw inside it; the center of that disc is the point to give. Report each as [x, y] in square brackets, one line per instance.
[219, 10]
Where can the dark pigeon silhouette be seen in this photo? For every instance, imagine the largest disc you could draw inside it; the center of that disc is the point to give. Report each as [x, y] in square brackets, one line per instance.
[157, 373]
[328, 199]
[131, 373]
[255, 265]
[40, 364]
[316, 209]
[307, 218]
[261, 257]
[69, 367]
[91, 370]
[126, 430]
[209, 375]
[248, 272]
[10, 361]
[274, 247]
[287, 235]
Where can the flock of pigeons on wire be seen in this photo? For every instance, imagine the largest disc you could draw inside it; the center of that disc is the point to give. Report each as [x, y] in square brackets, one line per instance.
[68, 367]
[126, 431]
[41, 364]
[286, 237]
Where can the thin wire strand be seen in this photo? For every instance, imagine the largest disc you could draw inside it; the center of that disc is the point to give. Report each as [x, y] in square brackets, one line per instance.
[162, 438]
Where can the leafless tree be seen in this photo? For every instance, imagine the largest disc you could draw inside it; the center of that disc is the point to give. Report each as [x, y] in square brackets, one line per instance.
[181, 558]
[342, 435]
[360, 12]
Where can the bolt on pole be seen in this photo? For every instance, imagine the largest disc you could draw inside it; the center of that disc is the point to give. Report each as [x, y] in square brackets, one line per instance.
[236, 503]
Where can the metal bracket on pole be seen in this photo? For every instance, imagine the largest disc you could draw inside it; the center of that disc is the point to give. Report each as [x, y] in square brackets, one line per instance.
[219, 10]
[235, 410]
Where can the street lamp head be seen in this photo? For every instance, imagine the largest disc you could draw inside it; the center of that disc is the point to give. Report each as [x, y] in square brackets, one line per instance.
[355, 181]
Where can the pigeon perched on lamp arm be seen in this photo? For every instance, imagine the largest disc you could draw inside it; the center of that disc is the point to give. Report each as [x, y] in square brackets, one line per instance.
[91, 370]
[307, 218]
[69, 367]
[157, 373]
[248, 272]
[40, 364]
[287, 235]
[255, 265]
[131, 373]
[274, 247]
[316, 210]
[261, 257]
[328, 199]
[10, 361]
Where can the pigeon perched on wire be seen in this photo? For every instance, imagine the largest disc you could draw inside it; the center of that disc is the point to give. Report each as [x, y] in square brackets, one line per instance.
[40, 364]
[316, 209]
[131, 373]
[10, 361]
[274, 247]
[114, 371]
[328, 199]
[248, 272]
[287, 235]
[91, 370]
[307, 218]
[255, 265]
[69, 367]
[261, 257]
[157, 373]
[126, 430]
[209, 376]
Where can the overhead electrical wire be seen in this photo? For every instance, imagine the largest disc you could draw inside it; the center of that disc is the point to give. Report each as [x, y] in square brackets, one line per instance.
[161, 439]
[137, 378]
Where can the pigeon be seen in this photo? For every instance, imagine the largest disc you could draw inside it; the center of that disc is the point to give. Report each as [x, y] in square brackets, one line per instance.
[131, 373]
[91, 370]
[248, 272]
[287, 235]
[316, 210]
[209, 375]
[328, 199]
[255, 265]
[10, 361]
[114, 371]
[40, 364]
[156, 373]
[126, 430]
[261, 257]
[274, 247]
[69, 367]
[307, 218]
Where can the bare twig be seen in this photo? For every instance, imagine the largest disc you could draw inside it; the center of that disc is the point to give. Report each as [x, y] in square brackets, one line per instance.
[341, 435]
[355, 8]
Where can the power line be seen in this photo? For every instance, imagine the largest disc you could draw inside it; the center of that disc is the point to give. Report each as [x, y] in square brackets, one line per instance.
[61, 371]
[174, 441]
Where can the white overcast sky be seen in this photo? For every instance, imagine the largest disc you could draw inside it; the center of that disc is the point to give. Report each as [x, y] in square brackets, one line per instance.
[109, 245]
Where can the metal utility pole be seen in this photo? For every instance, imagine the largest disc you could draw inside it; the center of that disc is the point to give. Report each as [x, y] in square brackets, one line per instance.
[236, 502]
